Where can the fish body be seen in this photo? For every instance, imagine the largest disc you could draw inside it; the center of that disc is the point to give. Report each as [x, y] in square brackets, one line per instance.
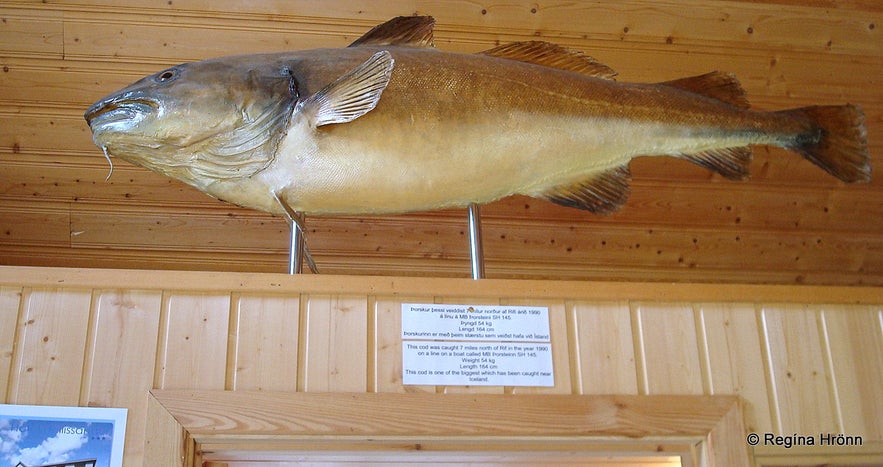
[391, 124]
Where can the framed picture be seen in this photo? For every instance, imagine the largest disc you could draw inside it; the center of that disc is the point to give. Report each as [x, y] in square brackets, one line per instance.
[49, 436]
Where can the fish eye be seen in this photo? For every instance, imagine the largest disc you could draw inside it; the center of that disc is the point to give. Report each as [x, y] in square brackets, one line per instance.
[166, 76]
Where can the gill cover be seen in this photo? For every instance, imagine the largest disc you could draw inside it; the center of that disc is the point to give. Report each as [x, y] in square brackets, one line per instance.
[251, 144]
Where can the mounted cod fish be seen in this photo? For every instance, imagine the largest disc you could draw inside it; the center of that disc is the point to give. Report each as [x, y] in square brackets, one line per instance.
[390, 124]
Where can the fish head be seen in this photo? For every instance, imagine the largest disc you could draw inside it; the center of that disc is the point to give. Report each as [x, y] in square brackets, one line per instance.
[199, 121]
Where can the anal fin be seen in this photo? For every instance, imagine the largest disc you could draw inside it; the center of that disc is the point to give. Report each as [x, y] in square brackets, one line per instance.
[732, 163]
[602, 193]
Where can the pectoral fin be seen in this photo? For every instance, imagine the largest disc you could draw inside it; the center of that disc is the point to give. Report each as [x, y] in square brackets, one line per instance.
[353, 94]
[601, 194]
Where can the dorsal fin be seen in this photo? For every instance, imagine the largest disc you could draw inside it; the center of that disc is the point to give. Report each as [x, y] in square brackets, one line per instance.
[410, 31]
[602, 193]
[721, 86]
[554, 56]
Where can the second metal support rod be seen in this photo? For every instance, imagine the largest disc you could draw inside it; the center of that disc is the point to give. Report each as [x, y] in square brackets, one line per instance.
[476, 251]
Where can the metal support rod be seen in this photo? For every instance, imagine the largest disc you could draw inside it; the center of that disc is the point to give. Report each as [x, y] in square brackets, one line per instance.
[296, 246]
[476, 251]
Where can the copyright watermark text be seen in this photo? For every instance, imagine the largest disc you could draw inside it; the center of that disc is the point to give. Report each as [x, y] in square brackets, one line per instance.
[789, 441]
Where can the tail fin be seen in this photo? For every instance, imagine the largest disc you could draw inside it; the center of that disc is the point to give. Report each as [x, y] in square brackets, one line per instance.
[841, 145]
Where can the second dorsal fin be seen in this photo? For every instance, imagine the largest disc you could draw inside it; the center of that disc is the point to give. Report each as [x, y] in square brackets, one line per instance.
[411, 31]
[554, 56]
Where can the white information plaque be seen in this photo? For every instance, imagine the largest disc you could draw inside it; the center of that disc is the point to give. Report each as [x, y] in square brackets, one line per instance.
[43, 434]
[477, 345]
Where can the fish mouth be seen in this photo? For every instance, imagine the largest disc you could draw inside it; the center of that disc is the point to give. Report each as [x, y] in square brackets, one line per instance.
[116, 110]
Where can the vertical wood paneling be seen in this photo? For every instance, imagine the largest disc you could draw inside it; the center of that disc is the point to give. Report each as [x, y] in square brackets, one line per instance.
[388, 345]
[123, 342]
[193, 341]
[263, 343]
[800, 368]
[604, 348]
[50, 348]
[10, 300]
[667, 349]
[802, 393]
[560, 347]
[855, 340]
[120, 358]
[335, 351]
[734, 362]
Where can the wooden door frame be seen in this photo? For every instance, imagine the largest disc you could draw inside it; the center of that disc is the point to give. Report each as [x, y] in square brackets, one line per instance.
[186, 426]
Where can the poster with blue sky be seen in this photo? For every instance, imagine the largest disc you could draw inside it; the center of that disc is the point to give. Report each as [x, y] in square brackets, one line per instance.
[34, 436]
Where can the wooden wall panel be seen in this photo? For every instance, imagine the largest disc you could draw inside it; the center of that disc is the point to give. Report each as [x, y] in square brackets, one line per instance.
[666, 349]
[690, 22]
[854, 341]
[122, 340]
[163, 227]
[48, 366]
[740, 207]
[10, 299]
[51, 84]
[121, 349]
[22, 224]
[181, 38]
[193, 341]
[803, 396]
[42, 129]
[789, 224]
[804, 360]
[730, 347]
[22, 32]
[604, 348]
[334, 354]
[264, 336]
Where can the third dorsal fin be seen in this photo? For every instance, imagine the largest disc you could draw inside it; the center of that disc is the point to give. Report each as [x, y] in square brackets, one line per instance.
[721, 86]
[554, 56]
[411, 31]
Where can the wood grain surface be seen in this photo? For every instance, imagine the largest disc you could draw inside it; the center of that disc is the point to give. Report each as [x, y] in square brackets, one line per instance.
[801, 359]
[790, 223]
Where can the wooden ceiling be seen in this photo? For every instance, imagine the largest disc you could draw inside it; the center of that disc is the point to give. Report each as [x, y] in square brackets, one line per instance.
[790, 223]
